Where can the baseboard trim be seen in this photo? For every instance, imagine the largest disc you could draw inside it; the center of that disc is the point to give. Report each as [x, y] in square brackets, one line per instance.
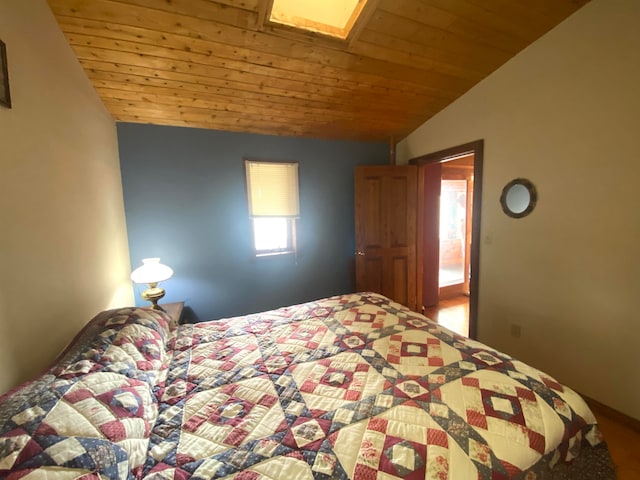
[612, 413]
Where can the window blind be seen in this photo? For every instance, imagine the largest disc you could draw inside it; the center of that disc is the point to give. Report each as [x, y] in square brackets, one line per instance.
[272, 189]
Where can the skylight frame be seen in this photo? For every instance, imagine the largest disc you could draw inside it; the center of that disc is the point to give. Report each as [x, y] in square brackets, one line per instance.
[306, 26]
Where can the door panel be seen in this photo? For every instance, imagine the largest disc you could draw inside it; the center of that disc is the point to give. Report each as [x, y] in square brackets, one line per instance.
[371, 281]
[399, 217]
[400, 279]
[430, 213]
[385, 211]
[372, 212]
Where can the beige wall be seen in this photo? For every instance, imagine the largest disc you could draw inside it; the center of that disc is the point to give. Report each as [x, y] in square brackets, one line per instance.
[565, 113]
[63, 247]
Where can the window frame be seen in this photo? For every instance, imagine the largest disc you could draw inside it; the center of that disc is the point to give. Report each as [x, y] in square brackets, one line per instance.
[290, 249]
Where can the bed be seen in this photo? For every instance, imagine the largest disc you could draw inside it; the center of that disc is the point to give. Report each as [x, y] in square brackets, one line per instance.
[352, 386]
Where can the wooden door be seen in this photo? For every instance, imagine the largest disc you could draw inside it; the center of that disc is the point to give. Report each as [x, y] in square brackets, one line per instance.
[429, 224]
[385, 217]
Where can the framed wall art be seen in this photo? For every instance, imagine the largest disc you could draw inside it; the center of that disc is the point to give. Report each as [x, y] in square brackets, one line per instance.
[5, 97]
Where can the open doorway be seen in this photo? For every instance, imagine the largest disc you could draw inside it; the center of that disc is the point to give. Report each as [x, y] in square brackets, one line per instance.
[456, 218]
[448, 248]
[453, 233]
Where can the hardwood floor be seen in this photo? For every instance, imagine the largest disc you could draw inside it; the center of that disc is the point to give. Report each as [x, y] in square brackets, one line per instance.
[624, 445]
[452, 313]
[622, 437]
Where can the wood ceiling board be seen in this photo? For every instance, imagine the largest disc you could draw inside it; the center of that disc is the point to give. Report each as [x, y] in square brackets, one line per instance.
[214, 64]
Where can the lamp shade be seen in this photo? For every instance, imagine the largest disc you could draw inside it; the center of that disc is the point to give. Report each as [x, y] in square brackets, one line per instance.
[151, 271]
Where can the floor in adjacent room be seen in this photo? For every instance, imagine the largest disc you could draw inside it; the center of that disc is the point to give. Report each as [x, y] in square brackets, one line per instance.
[623, 439]
[452, 313]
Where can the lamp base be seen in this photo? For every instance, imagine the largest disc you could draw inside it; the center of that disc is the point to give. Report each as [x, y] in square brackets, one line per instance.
[153, 295]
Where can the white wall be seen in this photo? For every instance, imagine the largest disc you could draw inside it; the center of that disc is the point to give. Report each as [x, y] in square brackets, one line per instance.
[564, 113]
[63, 244]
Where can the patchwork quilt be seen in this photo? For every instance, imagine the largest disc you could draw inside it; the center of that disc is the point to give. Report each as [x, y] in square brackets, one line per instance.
[349, 387]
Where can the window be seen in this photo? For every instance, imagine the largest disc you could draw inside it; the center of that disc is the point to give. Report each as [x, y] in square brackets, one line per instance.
[272, 192]
[334, 18]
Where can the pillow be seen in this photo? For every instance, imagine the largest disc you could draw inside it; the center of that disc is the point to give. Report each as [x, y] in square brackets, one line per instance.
[129, 341]
[71, 421]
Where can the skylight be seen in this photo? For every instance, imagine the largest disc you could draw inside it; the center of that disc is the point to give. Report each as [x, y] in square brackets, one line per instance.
[329, 17]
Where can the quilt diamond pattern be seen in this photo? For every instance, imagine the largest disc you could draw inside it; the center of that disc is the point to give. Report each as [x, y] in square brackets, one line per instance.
[349, 387]
[357, 386]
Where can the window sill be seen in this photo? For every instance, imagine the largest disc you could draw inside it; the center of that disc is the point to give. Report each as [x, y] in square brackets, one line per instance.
[274, 254]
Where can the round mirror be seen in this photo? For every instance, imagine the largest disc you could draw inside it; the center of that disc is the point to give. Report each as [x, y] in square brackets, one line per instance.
[518, 198]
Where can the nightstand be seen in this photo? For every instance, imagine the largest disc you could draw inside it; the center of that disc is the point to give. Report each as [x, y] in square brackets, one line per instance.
[175, 312]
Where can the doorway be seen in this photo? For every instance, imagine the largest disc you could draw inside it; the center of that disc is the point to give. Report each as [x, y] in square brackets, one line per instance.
[456, 218]
[453, 233]
[448, 251]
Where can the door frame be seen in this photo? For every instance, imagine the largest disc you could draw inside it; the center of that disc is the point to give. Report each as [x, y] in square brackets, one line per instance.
[477, 149]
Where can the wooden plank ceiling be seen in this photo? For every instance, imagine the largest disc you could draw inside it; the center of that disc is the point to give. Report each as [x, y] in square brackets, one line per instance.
[217, 65]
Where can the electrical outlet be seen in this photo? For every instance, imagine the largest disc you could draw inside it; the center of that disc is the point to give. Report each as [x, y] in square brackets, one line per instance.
[516, 331]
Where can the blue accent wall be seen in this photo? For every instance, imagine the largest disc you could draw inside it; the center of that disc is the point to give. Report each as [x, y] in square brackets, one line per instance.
[185, 202]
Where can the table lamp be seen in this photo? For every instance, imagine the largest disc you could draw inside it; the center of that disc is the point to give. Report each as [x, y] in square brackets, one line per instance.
[152, 272]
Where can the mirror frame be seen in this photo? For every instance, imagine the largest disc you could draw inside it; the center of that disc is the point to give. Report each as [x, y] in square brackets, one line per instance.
[533, 197]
